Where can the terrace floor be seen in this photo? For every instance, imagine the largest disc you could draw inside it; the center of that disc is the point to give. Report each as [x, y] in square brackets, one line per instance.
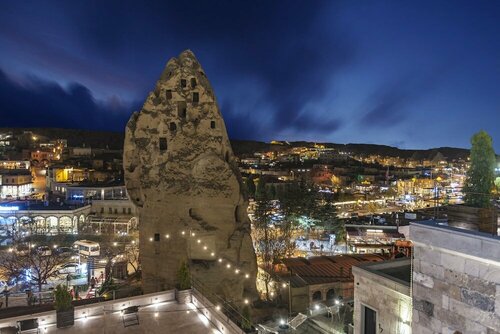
[167, 317]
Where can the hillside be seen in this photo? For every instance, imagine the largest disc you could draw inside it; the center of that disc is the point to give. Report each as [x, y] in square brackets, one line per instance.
[114, 140]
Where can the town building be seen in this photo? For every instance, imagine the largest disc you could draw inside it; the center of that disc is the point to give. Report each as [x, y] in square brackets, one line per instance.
[382, 299]
[40, 218]
[320, 279]
[15, 183]
[363, 239]
[15, 164]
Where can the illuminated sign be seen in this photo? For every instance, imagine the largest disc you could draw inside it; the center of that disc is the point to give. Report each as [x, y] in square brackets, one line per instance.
[9, 208]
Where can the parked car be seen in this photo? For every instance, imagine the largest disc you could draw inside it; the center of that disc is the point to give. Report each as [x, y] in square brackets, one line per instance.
[69, 268]
[44, 250]
[65, 251]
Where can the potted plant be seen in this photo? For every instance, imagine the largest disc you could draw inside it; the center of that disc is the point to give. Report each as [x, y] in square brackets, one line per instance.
[246, 323]
[183, 288]
[64, 307]
[477, 213]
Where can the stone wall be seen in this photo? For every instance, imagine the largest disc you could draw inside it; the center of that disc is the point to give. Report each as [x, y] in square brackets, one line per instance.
[389, 298]
[456, 280]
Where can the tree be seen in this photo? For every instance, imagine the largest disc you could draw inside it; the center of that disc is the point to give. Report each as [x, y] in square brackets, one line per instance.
[250, 184]
[325, 213]
[372, 209]
[33, 266]
[246, 324]
[132, 254]
[497, 183]
[480, 176]
[183, 276]
[263, 234]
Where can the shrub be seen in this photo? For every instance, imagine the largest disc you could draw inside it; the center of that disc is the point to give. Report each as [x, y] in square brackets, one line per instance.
[62, 299]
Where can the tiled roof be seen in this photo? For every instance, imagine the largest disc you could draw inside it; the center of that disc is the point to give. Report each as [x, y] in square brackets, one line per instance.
[326, 269]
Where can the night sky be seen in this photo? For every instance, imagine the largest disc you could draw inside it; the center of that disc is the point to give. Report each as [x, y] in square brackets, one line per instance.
[412, 74]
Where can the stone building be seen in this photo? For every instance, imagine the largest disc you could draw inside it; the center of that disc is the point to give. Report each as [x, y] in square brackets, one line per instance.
[181, 173]
[321, 279]
[382, 302]
[456, 280]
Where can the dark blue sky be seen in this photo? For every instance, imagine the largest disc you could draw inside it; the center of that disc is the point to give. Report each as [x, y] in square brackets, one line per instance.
[413, 74]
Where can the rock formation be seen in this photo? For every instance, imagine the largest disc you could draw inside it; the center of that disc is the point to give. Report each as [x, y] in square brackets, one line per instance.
[181, 173]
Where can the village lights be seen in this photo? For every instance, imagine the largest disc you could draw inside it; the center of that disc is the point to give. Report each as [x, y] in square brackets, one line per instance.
[156, 314]
[284, 285]
[167, 236]
[212, 254]
[237, 271]
[205, 247]
[183, 232]
[246, 301]
[198, 241]
[55, 246]
[247, 276]
[228, 266]
[220, 260]
[316, 307]
[218, 308]
[115, 244]
[150, 239]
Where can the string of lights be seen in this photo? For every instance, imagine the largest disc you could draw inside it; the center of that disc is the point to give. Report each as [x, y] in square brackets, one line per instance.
[225, 262]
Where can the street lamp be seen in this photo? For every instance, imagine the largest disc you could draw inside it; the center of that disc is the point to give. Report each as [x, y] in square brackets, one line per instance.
[284, 285]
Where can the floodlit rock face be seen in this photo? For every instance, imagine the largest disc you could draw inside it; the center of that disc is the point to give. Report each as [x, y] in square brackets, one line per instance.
[181, 173]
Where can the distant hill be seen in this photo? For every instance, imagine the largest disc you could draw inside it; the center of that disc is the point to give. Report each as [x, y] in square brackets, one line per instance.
[114, 140]
[78, 137]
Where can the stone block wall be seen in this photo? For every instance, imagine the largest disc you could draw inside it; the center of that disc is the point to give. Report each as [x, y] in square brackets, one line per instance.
[456, 280]
[390, 299]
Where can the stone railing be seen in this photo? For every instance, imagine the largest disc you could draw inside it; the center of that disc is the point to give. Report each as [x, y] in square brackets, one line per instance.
[202, 304]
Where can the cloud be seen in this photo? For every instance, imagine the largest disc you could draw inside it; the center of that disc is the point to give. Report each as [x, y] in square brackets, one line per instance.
[388, 106]
[291, 49]
[41, 103]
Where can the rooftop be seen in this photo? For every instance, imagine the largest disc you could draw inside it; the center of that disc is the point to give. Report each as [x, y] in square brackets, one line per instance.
[473, 243]
[326, 269]
[398, 270]
[13, 172]
[95, 184]
[36, 206]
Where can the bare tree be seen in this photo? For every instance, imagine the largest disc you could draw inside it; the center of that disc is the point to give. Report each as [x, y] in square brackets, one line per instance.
[132, 254]
[32, 266]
